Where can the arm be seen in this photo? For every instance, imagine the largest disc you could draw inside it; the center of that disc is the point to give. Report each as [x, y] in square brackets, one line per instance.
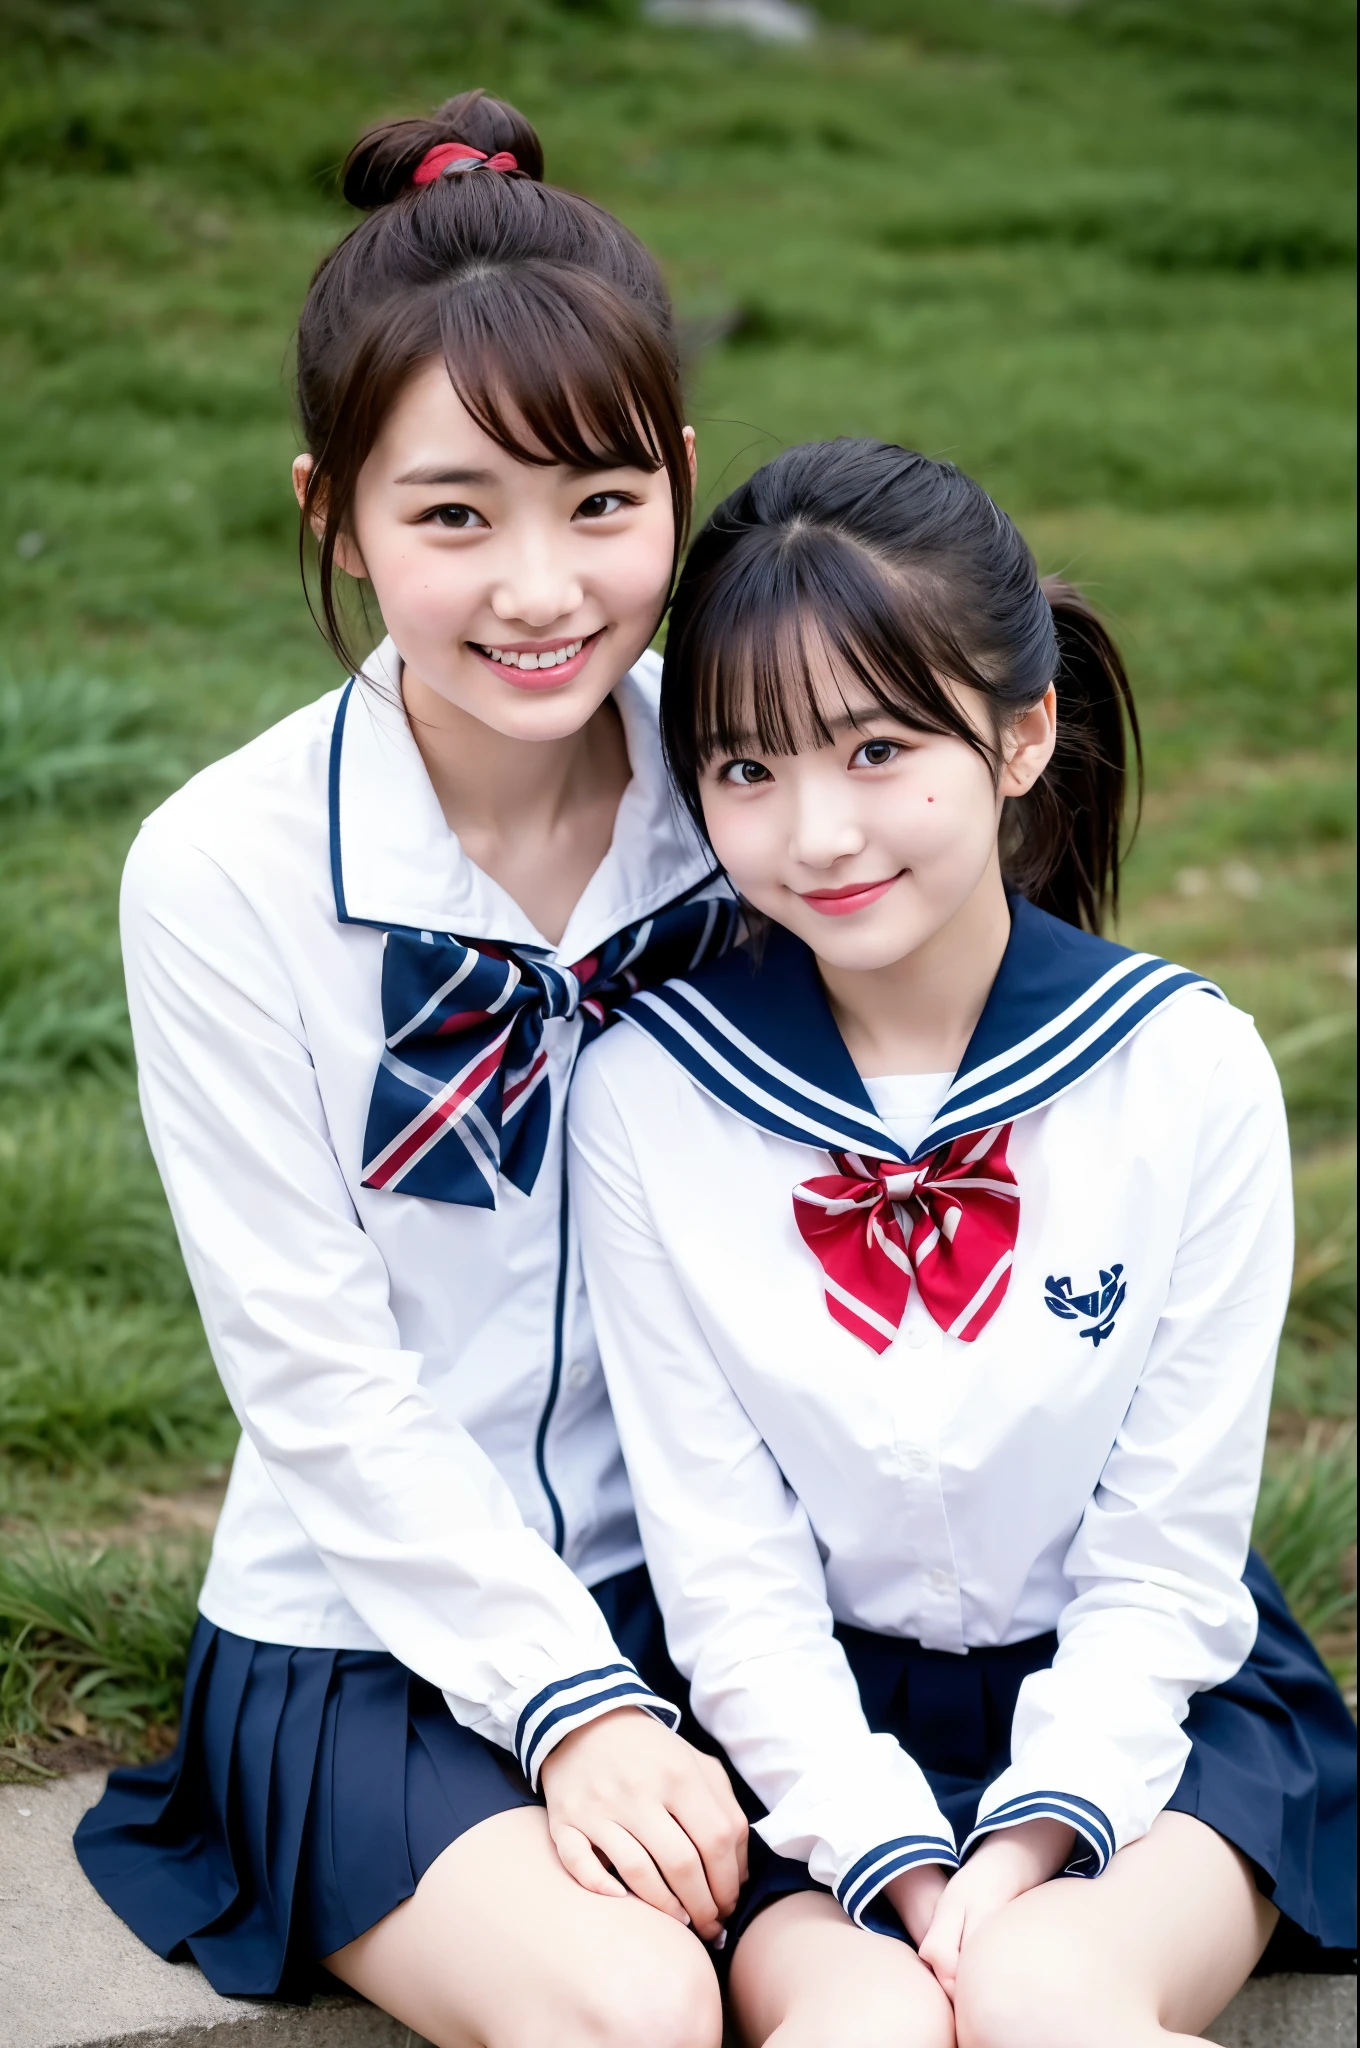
[1159, 1610]
[410, 1517]
[732, 1553]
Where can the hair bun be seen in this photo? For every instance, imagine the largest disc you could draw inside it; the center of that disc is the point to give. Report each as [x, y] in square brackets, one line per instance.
[383, 161]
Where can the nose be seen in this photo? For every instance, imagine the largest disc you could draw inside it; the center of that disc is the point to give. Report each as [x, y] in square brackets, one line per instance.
[824, 826]
[538, 585]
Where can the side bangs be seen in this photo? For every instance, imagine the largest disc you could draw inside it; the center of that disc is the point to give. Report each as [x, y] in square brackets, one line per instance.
[552, 368]
[750, 659]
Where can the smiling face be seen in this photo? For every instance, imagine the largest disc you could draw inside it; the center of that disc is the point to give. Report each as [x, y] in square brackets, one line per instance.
[518, 593]
[871, 844]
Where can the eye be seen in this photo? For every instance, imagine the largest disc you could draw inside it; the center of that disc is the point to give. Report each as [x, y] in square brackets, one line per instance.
[454, 518]
[745, 774]
[876, 753]
[600, 504]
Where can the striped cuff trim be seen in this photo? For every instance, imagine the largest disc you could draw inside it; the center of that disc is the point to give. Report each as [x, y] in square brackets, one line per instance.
[1082, 1814]
[569, 1703]
[864, 1880]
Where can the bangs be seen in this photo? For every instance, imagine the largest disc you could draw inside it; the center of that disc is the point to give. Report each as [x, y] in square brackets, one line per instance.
[554, 367]
[786, 614]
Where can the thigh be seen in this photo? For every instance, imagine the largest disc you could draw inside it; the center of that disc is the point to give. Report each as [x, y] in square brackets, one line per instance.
[1160, 1941]
[805, 1972]
[499, 1948]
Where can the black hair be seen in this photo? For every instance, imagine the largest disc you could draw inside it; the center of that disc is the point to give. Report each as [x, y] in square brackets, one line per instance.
[905, 571]
[552, 319]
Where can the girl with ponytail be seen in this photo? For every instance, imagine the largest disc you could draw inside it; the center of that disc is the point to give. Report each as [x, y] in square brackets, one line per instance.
[430, 1734]
[938, 1250]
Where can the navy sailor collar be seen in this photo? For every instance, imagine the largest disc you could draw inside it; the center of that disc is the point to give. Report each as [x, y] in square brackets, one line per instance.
[759, 1036]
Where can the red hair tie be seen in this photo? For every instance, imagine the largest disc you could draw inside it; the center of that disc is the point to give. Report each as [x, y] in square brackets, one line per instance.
[448, 158]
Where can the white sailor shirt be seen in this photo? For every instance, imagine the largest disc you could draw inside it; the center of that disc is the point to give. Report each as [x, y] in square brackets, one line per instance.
[1088, 1462]
[427, 1464]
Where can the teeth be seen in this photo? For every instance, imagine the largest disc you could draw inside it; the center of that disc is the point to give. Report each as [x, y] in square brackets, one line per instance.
[551, 657]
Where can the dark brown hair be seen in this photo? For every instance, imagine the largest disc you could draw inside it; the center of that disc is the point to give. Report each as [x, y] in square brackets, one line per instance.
[551, 317]
[908, 574]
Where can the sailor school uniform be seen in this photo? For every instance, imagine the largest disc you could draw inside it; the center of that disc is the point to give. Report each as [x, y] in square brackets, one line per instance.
[946, 1452]
[353, 1052]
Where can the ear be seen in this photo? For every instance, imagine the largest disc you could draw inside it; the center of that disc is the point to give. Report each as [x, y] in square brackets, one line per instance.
[347, 556]
[692, 453]
[1027, 745]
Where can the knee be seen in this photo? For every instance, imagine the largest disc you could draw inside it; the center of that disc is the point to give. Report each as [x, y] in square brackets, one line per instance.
[664, 1995]
[1014, 1995]
[869, 2023]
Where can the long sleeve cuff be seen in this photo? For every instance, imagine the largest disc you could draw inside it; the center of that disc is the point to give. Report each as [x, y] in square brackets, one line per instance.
[860, 1822]
[568, 1703]
[1095, 1831]
[1092, 1785]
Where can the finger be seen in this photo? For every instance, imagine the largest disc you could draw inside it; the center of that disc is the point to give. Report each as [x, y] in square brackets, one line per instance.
[676, 1855]
[580, 1861]
[635, 1866]
[714, 1831]
[940, 1948]
[730, 1807]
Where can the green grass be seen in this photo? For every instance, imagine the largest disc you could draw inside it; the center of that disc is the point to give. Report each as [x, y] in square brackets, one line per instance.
[1096, 253]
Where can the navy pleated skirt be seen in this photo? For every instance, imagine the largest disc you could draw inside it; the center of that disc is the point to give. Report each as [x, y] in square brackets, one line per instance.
[308, 1794]
[311, 1790]
[1271, 1767]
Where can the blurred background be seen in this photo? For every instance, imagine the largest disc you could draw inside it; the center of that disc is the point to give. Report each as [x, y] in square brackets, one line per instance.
[1098, 254]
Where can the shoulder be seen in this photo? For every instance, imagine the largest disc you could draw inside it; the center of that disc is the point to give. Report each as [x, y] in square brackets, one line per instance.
[621, 1065]
[242, 813]
[625, 1082]
[1200, 1041]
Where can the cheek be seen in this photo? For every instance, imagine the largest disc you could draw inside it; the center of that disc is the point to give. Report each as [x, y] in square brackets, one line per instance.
[743, 839]
[635, 572]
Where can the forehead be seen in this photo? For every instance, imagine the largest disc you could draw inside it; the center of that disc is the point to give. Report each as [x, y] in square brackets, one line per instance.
[427, 419]
[430, 434]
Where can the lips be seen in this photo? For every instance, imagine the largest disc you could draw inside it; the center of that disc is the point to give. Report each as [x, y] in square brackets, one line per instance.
[545, 666]
[854, 896]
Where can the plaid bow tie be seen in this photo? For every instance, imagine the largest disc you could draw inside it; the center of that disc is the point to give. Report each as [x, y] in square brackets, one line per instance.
[460, 1096]
[962, 1206]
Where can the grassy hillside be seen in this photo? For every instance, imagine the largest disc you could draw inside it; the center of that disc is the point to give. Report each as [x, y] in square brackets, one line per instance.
[1097, 253]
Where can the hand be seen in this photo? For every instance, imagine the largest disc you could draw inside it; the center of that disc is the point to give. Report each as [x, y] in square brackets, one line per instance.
[1012, 1861]
[624, 1793]
[915, 1895]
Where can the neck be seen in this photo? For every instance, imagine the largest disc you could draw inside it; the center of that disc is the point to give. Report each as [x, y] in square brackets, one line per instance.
[493, 787]
[916, 1015]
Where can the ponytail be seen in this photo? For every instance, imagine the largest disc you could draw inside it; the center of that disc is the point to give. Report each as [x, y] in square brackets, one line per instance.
[1062, 844]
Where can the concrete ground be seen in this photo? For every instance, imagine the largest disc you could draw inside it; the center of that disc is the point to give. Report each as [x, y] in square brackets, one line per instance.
[72, 1976]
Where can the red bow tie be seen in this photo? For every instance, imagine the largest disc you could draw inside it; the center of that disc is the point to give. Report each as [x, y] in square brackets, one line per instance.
[962, 1207]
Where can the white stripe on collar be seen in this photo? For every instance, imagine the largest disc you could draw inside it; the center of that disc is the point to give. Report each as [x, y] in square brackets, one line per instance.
[732, 1067]
[760, 1038]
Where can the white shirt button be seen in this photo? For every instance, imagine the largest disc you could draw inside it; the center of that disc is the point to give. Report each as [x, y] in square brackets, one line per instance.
[578, 1376]
[918, 1460]
[917, 1336]
[941, 1582]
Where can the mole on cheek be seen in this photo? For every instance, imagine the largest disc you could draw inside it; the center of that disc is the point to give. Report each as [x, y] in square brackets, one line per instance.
[930, 799]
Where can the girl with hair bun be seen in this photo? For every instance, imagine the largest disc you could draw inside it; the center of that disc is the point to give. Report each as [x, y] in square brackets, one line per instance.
[939, 1250]
[429, 1738]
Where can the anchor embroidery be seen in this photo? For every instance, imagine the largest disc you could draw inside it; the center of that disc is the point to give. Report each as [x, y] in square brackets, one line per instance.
[1102, 1304]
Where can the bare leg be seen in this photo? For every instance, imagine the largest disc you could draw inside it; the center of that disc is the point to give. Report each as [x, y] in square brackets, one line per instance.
[499, 1948]
[1145, 1955]
[804, 1976]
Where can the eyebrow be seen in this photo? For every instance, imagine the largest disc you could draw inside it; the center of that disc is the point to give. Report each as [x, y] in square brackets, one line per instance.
[434, 474]
[484, 479]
